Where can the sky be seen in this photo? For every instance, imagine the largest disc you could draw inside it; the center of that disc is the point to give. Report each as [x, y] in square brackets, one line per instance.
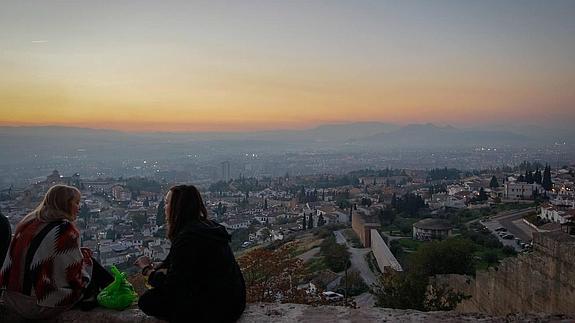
[258, 65]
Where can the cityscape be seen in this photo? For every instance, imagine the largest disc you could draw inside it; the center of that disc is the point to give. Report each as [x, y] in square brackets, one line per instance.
[377, 216]
[367, 160]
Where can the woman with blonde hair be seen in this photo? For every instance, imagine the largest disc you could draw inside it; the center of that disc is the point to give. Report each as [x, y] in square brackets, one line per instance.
[45, 271]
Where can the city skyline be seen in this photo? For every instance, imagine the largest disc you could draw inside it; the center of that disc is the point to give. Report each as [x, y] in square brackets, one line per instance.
[182, 66]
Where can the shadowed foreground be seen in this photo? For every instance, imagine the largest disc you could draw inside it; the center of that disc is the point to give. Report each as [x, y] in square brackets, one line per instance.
[265, 312]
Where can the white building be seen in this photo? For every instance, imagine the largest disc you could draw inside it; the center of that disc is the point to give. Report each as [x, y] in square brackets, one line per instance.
[557, 214]
[341, 217]
[521, 191]
[236, 224]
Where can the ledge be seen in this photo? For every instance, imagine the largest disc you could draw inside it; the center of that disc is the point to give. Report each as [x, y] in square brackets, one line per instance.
[265, 312]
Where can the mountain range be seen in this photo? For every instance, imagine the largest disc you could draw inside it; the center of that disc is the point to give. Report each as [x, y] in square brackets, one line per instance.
[363, 133]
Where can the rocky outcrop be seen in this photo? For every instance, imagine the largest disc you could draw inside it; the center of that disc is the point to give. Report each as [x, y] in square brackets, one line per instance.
[265, 312]
[542, 281]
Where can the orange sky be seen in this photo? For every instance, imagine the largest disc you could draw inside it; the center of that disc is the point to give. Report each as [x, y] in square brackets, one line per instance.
[179, 70]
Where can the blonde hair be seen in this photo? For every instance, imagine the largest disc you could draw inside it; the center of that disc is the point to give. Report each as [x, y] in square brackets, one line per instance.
[56, 204]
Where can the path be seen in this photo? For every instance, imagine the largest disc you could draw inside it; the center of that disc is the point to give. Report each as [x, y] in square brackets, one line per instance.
[306, 256]
[358, 262]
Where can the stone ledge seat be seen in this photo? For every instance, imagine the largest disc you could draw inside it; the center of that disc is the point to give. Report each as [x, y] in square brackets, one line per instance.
[269, 312]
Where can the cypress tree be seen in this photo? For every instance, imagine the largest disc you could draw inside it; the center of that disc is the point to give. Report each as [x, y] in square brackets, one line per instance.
[546, 182]
[537, 177]
[310, 221]
[529, 177]
[160, 216]
[320, 221]
[482, 195]
[494, 183]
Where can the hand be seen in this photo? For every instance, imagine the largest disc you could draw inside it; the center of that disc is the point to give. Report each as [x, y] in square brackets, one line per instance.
[86, 252]
[143, 262]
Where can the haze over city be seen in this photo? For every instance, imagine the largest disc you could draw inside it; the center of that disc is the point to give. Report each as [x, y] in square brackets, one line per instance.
[366, 160]
[257, 65]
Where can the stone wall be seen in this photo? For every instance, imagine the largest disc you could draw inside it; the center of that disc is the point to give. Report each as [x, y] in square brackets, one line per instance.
[362, 226]
[542, 281]
[287, 313]
[385, 259]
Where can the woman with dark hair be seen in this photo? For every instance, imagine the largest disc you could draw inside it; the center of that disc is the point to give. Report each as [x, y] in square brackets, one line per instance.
[200, 280]
[45, 271]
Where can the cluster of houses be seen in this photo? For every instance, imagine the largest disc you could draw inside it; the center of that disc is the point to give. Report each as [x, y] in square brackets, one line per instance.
[106, 218]
[121, 226]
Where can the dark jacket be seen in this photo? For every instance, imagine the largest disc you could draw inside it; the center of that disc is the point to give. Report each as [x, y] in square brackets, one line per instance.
[5, 236]
[203, 282]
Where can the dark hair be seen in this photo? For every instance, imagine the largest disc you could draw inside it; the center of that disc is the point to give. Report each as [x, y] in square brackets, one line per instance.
[186, 205]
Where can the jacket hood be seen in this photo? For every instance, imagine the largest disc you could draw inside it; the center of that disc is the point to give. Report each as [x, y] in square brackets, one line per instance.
[206, 230]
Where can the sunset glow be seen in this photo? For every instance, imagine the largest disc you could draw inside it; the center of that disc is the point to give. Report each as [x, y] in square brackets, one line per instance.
[140, 66]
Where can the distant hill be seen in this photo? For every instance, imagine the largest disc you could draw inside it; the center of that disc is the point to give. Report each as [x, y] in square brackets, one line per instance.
[360, 135]
[429, 135]
[323, 133]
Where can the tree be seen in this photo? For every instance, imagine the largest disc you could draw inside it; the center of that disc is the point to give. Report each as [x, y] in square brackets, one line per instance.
[239, 236]
[494, 183]
[266, 233]
[139, 219]
[490, 257]
[353, 283]
[304, 222]
[386, 215]
[220, 209]
[450, 256]
[343, 204]
[335, 255]
[546, 182]
[410, 289]
[320, 220]
[442, 174]
[410, 204]
[160, 214]
[302, 195]
[146, 202]
[265, 204]
[366, 202]
[310, 221]
[529, 177]
[111, 235]
[537, 177]
[84, 212]
[273, 275]
[401, 291]
[482, 195]
[521, 179]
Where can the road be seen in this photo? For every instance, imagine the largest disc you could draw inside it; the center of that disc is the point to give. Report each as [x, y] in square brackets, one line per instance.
[514, 225]
[340, 238]
[309, 254]
[358, 262]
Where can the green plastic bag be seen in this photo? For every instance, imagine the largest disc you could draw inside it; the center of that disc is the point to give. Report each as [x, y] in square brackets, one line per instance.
[119, 294]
